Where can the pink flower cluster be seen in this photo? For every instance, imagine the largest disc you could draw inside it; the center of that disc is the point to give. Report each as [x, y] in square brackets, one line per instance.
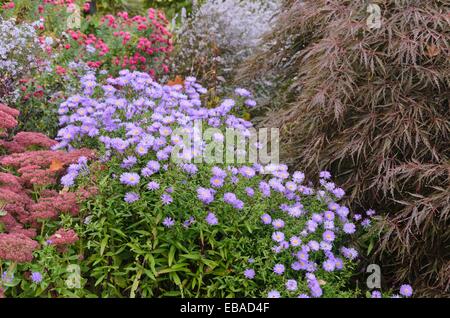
[17, 247]
[22, 215]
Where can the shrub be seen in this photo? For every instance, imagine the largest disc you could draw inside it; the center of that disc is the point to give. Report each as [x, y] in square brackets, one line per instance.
[370, 104]
[219, 35]
[161, 227]
[20, 53]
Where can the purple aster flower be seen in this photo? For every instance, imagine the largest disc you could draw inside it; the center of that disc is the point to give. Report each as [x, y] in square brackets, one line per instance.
[153, 165]
[166, 199]
[278, 269]
[328, 236]
[249, 273]
[273, 294]
[205, 195]
[338, 263]
[128, 162]
[314, 287]
[131, 197]
[376, 294]
[216, 182]
[328, 215]
[325, 175]
[251, 260]
[291, 285]
[339, 193]
[278, 237]
[314, 245]
[153, 185]
[406, 290]
[349, 228]
[298, 177]
[216, 171]
[303, 296]
[247, 172]
[36, 277]
[278, 224]
[349, 253]
[250, 192]
[266, 218]
[295, 241]
[130, 178]
[370, 212]
[365, 223]
[211, 219]
[168, 222]
[296, 266]
[329, 265]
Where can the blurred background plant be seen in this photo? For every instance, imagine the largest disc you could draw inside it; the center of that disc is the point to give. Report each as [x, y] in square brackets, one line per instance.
[218, 35]
[371, 105]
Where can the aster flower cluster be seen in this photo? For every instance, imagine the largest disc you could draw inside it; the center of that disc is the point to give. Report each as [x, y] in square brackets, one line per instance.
[20, 49]
[133, 118]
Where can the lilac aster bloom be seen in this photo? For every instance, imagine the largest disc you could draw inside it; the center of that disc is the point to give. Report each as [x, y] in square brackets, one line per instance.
[339, 193]
[216, 171]
[278, 269]
[153, 165]
[349, 228]
[211, 219]
[349, 253]
[329, 265]
[249, 273]
[205, 195]
[153, 185]
[250, 192]
[247, 172]
[314, 245]
[168, 222]
[266, 219]
[36, 277]
[278, 237]
[325, 175]
[291, 285]
[376, 294]
[128, 162]
[166, 199]
[273, 294]
[298, 177]
[131, 197]
[328, 215]
[130, 178]
[216, 182]
[296, 266]
[303, 296]
[338, 263]
[295, 241]
[406, 290]
[251, 260]
[328, 236]
[365, 223]
[278, 224]
[370, 212]
[314, 287]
